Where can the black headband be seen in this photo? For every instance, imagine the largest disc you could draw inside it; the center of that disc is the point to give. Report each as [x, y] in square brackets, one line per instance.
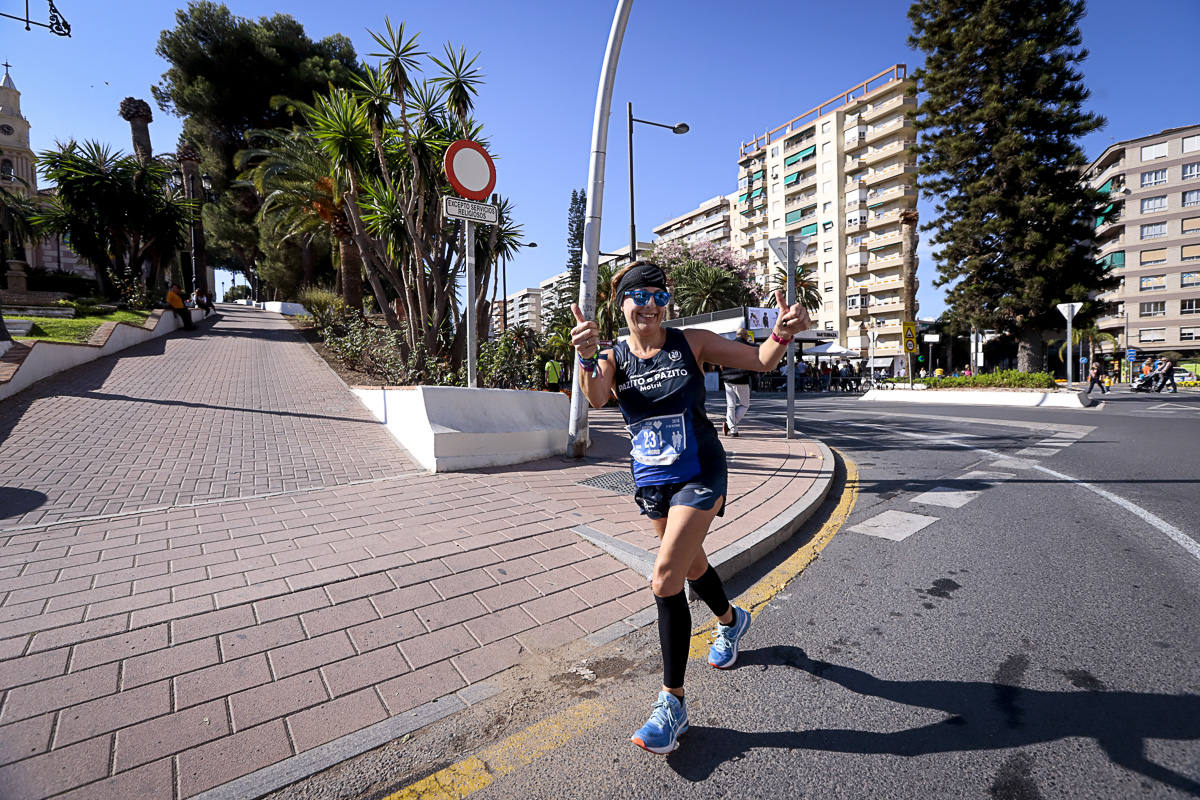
[641, 274]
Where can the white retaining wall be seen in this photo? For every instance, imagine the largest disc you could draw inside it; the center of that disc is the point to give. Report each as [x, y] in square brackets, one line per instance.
[287, 309]
[982, 397]
[47, 358]
[449, 428]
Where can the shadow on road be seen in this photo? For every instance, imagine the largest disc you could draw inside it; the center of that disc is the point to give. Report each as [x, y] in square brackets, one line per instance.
[983, 716]
[15, 502]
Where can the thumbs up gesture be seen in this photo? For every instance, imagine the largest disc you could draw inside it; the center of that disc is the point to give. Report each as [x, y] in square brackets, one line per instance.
[586, 335]
[792, 319]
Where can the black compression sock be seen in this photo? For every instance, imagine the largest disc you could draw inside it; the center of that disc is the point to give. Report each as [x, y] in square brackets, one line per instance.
[674, 633]
[708, 587]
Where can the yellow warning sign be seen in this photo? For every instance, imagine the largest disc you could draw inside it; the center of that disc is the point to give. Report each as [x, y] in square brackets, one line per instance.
[910, 337]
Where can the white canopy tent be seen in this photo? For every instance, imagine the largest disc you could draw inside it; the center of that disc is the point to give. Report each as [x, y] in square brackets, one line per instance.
[832, 349]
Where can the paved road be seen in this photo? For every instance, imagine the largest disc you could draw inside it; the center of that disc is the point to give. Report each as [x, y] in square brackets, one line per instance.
[987, 623]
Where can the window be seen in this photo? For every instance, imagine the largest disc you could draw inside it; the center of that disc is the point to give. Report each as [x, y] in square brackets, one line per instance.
[827, 266]
[1153, 151]
[774, 152]
[1152, 204]
[826, 206]
[1189, 306]
[1191, 143]
[827, 186]
[1152, 334]
[1154, 177]
[1189, 279]
[1191, 225]
[1190, 252]
[6, 170]
[829, 325]
[1153, 256]
[827, 168]
[1191, 198]
[1158, 309]
[1190, 171]
[1154, 230]
[1189, 334]
[1151, 283]
[828, 248]
[827, 124]
[825, 147]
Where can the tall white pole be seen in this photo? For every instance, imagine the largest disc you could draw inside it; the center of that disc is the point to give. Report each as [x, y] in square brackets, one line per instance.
[472, 381]
[1070, 356]
[790, 294]
[577, 431]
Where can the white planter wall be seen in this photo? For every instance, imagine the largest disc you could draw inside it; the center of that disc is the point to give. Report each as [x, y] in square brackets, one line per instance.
[449, 428]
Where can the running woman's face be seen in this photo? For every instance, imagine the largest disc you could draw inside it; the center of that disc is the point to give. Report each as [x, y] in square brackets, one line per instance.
[645, 319]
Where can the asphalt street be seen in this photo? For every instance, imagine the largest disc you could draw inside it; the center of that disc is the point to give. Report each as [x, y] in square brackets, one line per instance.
[1010, 611]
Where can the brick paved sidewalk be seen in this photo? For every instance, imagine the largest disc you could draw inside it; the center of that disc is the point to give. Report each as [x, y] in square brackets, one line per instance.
[157, 654]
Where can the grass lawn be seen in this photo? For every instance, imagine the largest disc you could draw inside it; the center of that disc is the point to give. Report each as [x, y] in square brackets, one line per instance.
[78, 329]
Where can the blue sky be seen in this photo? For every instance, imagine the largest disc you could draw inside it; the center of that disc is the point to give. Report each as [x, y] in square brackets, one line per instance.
[729, 73]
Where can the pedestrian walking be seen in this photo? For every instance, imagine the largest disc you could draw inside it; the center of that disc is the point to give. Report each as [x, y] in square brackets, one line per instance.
[554, 375]
[1096, 378]
[1166, 374]
[175, 301]
[737, 390]
[678, 463]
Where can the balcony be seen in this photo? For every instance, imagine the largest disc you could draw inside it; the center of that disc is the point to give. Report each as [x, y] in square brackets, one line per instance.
[855, 269]
[876, 218]
[896, 192]
[882, 240]
[856, 223]
[877, 110]
[799, 200]
[857, 311]
[854, 164]
[876, 176]
[889, 129]
[884, 263]
[890, 149]
[803, 182]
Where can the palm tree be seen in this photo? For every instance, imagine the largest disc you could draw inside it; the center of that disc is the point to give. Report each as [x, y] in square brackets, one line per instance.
[120, 214]
[608, 311]
[137, 113]
[16, 228]
[703, 288]
[1089, 335]
[808, 290]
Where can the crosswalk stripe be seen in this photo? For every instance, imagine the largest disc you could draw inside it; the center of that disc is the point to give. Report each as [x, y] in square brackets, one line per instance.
[894, 525]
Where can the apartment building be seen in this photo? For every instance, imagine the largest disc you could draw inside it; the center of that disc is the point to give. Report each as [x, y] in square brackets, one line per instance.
[1150, 236]
[841, 174]
[707, 223]
[550, 289]
[525, 308]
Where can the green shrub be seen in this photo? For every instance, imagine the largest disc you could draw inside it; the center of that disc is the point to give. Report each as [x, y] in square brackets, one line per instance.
[1001, 379]
[512, 361]
[45, 280]
[380, 353]
[327, 308]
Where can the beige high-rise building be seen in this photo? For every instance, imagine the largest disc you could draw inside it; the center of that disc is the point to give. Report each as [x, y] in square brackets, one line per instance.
[841, 173]
[525, 308]
[1150, 236]
[707, 223]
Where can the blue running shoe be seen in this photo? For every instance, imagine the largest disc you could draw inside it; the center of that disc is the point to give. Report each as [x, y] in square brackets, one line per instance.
[724, 648]
[667, 723]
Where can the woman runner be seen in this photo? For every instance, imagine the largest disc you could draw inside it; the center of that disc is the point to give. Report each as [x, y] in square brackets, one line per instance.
[678, 463]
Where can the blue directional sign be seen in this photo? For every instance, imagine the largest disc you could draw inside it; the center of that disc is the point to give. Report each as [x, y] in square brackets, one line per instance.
[1131, 356]
[1083, 359]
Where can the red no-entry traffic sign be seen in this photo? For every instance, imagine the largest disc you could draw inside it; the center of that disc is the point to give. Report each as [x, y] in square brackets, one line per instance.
[470, 169]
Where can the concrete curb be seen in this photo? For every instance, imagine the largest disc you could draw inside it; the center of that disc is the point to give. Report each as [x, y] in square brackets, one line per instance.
[982, 397]
[728, 561]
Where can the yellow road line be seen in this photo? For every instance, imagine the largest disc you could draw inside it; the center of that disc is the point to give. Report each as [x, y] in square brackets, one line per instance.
[480, 771]
[472, 774]
[755, 598]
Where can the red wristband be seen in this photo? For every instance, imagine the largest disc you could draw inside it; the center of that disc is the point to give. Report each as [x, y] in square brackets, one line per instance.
[776, 338]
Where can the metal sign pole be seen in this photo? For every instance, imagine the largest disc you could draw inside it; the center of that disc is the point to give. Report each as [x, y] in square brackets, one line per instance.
[791, 347]
[472, 381]
[1070, 355]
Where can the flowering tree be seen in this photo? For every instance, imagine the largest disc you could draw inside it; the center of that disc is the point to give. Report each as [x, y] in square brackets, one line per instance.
[706, 276]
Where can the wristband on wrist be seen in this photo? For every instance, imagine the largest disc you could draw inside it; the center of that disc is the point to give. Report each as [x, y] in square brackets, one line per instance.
[587, 364]
[775, 337]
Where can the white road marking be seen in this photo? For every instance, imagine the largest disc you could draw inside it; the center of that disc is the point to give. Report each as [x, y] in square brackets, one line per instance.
[957, 498]
[1012, 463]
[893, 525]
[1037, 452]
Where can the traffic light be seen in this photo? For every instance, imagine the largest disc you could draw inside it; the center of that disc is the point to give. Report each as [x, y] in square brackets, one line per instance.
[920, 359]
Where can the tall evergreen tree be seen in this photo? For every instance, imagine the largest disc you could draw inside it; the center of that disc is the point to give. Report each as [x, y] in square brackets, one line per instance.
[998, 149]
[568, 290]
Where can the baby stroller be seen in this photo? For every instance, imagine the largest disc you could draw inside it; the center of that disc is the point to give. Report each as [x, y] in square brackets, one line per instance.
[1143, 383]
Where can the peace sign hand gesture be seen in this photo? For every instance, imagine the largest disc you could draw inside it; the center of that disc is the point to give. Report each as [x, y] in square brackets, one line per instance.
[586, 335]
[792, 319]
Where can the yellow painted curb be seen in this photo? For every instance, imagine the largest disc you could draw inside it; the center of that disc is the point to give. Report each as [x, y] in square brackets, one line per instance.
[477, 772]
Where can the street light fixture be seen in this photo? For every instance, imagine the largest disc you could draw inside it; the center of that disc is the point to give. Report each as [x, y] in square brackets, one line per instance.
[678, 128]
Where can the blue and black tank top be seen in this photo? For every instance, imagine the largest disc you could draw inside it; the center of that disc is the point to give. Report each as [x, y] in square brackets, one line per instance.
[662, 400]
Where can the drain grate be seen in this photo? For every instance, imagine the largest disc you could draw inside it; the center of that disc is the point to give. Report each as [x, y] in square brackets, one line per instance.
[617, 482]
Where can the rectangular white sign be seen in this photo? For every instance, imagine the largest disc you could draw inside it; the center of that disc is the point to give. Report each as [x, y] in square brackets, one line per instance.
[469, 210]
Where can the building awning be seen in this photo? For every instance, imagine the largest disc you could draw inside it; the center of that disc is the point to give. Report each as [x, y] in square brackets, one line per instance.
[808, 151]
[880, 361]
[808, 230]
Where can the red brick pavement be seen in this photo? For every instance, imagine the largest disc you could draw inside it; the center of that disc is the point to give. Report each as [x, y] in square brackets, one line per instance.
[162, 653]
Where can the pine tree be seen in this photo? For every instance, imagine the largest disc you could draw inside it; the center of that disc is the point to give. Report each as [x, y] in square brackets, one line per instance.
[998, 149]
[568, 290]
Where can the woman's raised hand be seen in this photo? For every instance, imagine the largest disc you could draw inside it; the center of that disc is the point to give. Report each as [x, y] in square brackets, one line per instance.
[792, 319]
[586, 335]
